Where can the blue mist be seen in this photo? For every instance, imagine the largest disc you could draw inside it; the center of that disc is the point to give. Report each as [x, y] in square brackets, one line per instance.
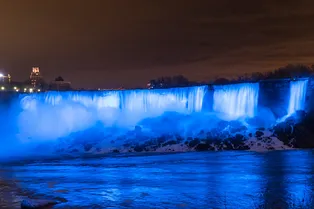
[297, 96]
[236, 100]
[52, 115]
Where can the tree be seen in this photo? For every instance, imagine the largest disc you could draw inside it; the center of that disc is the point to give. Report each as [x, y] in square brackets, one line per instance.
[257, 76]
[291, 71]
[59, 78]
[221, 81]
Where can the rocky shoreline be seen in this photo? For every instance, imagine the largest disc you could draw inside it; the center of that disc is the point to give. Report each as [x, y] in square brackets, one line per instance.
[294, 132]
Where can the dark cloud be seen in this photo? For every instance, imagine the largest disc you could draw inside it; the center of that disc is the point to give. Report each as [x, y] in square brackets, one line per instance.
[111, 43]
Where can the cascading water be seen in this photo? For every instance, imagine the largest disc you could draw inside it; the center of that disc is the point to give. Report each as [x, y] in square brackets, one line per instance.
[58, 114]
[297, 96]
[236, 100]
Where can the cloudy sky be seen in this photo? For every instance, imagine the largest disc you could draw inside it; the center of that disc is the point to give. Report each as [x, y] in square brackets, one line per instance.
[112, 43]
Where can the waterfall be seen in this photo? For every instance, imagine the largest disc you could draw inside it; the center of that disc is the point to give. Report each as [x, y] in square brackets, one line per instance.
[297, 96]
[236, 100]
[57, 114]
[189, 99]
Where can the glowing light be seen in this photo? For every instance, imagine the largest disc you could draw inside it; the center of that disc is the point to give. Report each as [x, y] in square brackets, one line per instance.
[17, 90]
[38, 90]
[237, 100]
[297, 96]
[14, 87]
[31, 90]
[2, 88]
[1, 75]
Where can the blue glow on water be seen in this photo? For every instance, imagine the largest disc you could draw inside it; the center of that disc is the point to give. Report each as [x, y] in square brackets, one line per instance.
[297, 96]
[236, 100]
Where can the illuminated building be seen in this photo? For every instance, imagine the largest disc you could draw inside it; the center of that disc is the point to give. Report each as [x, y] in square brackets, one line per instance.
[35, 77]
[5, 78]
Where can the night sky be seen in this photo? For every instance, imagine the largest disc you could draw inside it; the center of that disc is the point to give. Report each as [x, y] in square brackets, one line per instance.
[112, 43]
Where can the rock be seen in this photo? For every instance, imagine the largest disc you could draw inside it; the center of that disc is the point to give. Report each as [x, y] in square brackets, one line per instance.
[194, 142]
[238, 137]
[202, 147]
[179, 138]
[138, 129]
[37, 204]
[161, 140]
[259, 133]
[228, 145]
[87, 147]
[138, 149]
[171, 142]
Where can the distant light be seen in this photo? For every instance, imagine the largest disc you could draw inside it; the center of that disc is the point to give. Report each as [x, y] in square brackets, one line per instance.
[2, 88]
[1, 75]
[16, 90]
[14, 87]
[38, 90]
[30, 90]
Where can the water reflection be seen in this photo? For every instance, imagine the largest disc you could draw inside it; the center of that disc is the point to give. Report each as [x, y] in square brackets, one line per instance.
[280, 179]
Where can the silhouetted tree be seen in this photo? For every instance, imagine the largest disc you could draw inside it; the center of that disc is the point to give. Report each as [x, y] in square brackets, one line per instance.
[221, 81]
[291, 71]
[166, 82]
[59, 78]
[257, 76]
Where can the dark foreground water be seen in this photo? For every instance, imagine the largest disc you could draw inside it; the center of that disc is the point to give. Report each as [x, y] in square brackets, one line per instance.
[279, 179]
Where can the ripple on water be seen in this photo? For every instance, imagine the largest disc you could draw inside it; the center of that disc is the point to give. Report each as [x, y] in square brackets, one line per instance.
[237, 179]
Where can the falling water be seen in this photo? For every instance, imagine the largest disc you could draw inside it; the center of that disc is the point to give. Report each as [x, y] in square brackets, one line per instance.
[236, 100]
[297, 96]
[188, 99]
[55, 114]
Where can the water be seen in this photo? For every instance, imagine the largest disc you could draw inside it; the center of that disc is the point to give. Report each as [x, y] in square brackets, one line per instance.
[297, 96]
[189, 99]
[58, 114]
[236, 100]
[279, 179]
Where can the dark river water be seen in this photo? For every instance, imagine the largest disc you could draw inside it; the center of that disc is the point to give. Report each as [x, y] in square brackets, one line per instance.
[278, 179]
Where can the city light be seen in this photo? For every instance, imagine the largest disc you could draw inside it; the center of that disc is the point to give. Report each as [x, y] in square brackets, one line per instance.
[16, 90]
[14, 87]
[30, 90]
[1, 75]
[2, 88]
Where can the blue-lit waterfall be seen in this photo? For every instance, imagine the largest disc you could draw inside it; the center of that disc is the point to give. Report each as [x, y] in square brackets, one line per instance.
[154, 118]
[297, 96]
[57, 114]
[188, 99]
[237, 100]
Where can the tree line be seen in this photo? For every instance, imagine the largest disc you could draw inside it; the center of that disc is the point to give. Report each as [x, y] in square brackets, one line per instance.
[291, 71]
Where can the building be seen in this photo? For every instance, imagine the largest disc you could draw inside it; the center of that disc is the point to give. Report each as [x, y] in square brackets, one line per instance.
[35, 77]
[60, 85]
[5, 79]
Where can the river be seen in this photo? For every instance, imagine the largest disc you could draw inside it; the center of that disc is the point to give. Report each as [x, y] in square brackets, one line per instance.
[235, 179]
